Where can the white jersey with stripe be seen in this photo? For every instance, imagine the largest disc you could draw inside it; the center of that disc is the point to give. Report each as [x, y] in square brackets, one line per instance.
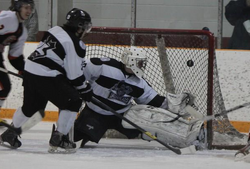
[116, 88]
[10, 25]
[59, 52]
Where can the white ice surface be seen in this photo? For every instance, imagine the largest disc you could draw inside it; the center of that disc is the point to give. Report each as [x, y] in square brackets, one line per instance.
[110, 154]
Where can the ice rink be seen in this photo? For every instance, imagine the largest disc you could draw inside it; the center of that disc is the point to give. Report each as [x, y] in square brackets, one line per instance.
[110, 154]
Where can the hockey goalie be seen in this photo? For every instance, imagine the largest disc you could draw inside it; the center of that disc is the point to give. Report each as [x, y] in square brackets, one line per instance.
[118, 84]
[180, 129]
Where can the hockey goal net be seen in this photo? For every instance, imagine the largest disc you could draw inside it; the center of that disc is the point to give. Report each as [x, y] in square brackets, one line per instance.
[178, 61]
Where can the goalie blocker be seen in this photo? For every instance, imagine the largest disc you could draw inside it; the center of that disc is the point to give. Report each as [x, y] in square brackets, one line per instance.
[171, 128]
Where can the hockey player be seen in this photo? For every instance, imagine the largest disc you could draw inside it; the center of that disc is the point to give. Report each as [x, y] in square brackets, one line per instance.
[54, 72]
[13, 34]
[118, 84]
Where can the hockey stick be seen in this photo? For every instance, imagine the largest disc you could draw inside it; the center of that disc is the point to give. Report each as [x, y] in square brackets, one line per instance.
[9, 72]
[33, 120]
[211, 117]
[3, 123]
[188, 150]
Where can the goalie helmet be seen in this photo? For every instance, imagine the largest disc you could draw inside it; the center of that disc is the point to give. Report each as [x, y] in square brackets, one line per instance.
[17, 4]
[77, 18]
[135, 59]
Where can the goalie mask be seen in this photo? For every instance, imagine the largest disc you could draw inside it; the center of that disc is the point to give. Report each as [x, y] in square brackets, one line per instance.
[135, 59]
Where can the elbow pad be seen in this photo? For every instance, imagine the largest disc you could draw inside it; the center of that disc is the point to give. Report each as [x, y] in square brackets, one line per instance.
[17, 62]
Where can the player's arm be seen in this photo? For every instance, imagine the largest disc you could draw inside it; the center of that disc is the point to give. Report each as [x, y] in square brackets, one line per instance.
[175, 103]
[15, 55]
[150, 96]
[93, 69]
[74, 66]
[5, 29]
[91, 72]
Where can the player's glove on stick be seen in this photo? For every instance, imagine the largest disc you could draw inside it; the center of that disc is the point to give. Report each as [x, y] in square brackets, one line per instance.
[86, 93]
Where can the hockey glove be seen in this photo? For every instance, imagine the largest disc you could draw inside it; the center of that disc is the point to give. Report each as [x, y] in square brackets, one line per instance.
[9, 40]
[86, 93]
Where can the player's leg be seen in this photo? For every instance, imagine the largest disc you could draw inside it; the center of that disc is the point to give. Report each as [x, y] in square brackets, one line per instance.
[67, 99]
[33, 102]
[5, 86]
[59, 136]
[117, 125]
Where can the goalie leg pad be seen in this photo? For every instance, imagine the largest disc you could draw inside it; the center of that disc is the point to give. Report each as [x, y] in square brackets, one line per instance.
[182, 132]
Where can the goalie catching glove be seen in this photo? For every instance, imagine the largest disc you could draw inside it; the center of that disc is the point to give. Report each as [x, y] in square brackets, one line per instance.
[177, 103]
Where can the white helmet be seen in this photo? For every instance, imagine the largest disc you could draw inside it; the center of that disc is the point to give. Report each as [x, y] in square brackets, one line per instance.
[135, 59]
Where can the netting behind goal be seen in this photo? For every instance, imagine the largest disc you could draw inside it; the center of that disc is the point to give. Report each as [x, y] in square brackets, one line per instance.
[178, 61]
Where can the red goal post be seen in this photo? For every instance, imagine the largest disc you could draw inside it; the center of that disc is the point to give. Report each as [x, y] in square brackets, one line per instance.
[178, 61]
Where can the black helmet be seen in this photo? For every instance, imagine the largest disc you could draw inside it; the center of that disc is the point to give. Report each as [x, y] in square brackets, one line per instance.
[77, 18]
[17, 4]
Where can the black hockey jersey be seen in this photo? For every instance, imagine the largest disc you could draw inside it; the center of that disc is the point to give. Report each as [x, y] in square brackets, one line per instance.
[116, 88]
[59, 52]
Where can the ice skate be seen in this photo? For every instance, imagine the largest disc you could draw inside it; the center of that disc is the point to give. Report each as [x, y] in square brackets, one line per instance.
[242, 153]
[10, 137]
[60, 144]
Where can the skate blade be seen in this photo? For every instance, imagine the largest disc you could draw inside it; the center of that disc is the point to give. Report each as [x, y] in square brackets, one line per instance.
[3, 144]
[240, 157]
[58, 150]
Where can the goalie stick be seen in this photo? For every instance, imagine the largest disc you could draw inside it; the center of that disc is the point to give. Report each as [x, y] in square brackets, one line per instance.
[187, 150]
